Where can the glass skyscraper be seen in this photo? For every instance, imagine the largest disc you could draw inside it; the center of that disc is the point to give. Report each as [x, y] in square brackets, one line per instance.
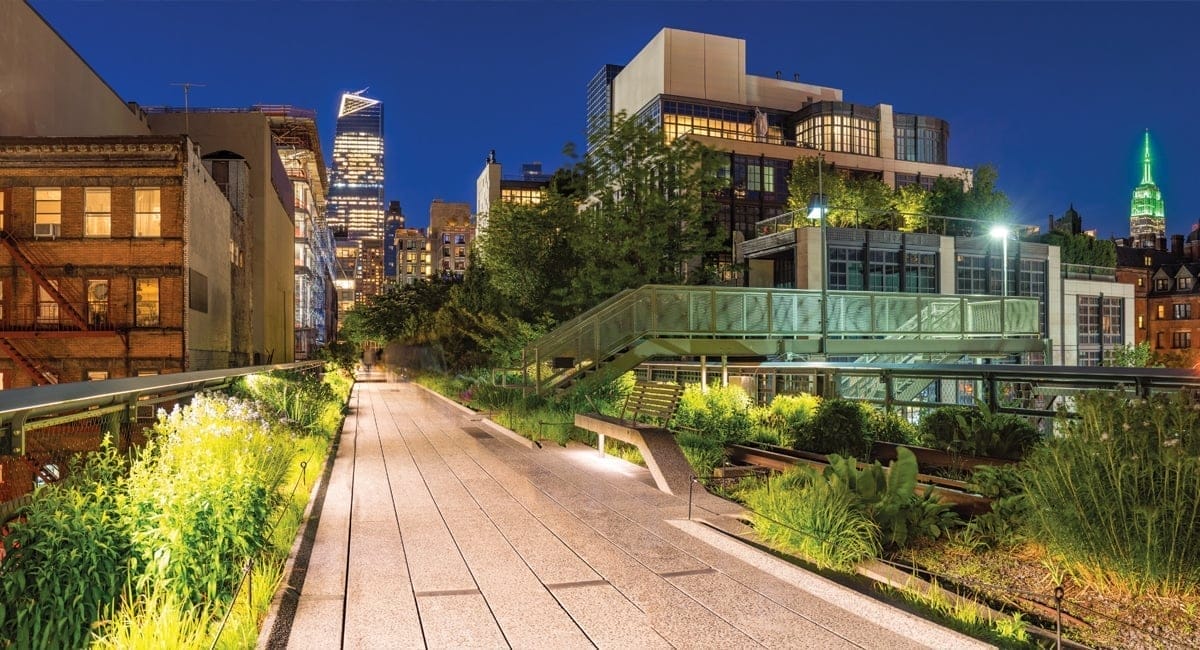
[356, 178]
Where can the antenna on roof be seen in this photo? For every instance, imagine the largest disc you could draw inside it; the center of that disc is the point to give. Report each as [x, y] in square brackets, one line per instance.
[359, 92]
[187, 89]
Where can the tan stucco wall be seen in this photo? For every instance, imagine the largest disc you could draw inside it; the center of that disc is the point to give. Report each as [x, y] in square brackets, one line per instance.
[206, 240]
[46, 89]
[271, 257]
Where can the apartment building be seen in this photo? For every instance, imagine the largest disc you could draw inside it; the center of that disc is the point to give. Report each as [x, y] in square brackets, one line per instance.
[450, 235]
[493, 186]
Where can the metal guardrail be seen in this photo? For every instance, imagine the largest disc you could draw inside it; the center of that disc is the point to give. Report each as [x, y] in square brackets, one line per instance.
[723, 313]
[1085, 272]
[23, 409]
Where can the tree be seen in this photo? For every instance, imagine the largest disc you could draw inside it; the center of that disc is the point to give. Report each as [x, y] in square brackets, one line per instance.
[911, 204]
[1083, 249]
[529, 252]
[1133, 356]
[649, 213]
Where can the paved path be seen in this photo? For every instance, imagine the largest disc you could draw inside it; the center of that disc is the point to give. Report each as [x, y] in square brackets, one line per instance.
[437, 532]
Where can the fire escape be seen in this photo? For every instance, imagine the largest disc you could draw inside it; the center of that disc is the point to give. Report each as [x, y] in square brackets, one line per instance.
[38, 321]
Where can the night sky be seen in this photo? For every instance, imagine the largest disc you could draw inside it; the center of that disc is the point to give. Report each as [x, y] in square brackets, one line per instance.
[1057, 96]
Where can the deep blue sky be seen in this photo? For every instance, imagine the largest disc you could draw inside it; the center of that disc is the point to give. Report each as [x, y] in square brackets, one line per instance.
[1056, 95]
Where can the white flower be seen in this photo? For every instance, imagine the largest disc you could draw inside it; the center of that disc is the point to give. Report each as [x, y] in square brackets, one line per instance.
[1171, 443]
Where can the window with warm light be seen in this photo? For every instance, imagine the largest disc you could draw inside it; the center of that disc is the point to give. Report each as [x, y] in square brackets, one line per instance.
[47, 308]
[146, 302]
[97, 306]
[147, 212]
[97, 212]
[47, 211]
[1162, 312]
[3, 203]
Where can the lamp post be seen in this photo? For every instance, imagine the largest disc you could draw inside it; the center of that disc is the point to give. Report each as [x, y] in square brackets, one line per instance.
[1002, 232]
[817, 210]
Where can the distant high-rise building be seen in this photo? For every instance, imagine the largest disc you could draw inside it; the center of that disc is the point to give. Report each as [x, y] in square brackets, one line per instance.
[1147, 216]
[599, 101]
[356, 187]
[392, 222]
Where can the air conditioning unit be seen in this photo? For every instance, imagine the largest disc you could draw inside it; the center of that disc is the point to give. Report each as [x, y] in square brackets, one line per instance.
[45, 230]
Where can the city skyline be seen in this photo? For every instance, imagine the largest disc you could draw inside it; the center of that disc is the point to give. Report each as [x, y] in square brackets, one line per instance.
[1058, 96]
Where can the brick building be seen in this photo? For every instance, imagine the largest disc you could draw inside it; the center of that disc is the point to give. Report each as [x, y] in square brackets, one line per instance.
[450, 235]
[109, 266]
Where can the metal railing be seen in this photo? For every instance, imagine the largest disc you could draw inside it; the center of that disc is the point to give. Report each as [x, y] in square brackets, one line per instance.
[672, 312]
[1085, 272]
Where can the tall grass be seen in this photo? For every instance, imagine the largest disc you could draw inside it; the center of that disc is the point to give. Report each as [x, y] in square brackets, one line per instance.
[1116, 493]
[801, 514]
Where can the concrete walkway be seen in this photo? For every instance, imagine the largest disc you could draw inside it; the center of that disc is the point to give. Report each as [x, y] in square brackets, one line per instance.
[437, 531]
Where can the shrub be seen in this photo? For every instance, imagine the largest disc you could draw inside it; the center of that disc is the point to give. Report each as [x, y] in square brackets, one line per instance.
[304, 398]
[978, 431]
[66, 562]
[704, 454]
[800, 515]
[838, 427]
[1004, 523]
[890, 426]
[1115, 493]
[782, 421]
[721, 412]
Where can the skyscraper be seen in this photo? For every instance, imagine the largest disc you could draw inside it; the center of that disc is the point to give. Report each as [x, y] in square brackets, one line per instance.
[356, 187]
[1147, 216]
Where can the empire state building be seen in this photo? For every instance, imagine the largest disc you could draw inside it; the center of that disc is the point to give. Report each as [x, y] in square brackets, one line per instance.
[356, 178]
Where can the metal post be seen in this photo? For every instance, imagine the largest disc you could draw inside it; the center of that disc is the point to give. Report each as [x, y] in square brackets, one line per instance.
[724, 371]
[1058, 598]
[824, 258]
[703, 372]
[691, 486]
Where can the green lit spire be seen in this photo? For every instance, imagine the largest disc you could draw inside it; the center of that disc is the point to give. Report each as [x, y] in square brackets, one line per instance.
[1147, 214]
[1146, 179]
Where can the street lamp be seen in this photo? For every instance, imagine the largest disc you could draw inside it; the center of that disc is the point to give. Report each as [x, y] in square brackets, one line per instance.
[817, 209]
[1002, 232]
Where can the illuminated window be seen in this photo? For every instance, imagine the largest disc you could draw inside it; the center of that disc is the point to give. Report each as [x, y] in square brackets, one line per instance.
[47, 308]
[1162, 284]
[97, 297]
[2, 204]
[147, 212]
[1162, 312]
[1182, 310]
[1184, 284]
[47, 211]
[97, 212]
[146, 299]
[1141, 282]
[1141, 320]
[1, 300]
[97, 375]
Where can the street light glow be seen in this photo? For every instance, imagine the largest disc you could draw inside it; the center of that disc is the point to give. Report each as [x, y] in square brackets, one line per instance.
[999, 231]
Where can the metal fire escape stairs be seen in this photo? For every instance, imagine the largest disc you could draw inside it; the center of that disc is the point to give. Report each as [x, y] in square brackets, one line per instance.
[40, 375]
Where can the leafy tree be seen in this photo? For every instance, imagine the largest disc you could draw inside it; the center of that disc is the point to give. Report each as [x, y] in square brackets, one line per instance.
[649, 213]
[1133, 356]
[911, 204]
[403, 312]
[530, 255]
[1083, 249]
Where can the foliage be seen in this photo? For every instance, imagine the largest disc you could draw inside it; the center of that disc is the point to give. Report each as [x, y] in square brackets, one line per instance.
[341, 354]
[703, 453]
[401, 312]
[838, 427]
[890, 426]
[718, 412]
[304, 399]
[782, 422]
[799, 514]
[529, 252]
[978, 431]
[201, 493]
[1131, 355]
[649, 214]
[1082, 249]
[888, 499]
[1115, 493]
[1004, 524]
[64, 561]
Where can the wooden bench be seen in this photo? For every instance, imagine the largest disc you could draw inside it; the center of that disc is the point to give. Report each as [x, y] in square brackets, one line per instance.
[643, 422]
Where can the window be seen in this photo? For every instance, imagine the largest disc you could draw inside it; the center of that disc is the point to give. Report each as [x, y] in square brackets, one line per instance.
[1141, 322]
[97, 375]
[971, 274]
[47, 308]
[1181, 340]
[146, 299]
[1146, 261]
[1, 300]
[1184, 284]
[920, 272]
[884, 271]
[2, 204]
[1162, 312]
[97, 212]
[1182, 310]
[147, 212]
[460, 239]
[97, 307]
[1162, 284]
[47, 211]
[1089, 320]
[846, 269]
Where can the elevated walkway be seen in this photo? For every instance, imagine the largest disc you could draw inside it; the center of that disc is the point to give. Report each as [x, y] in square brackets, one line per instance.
[659, 321]
[437, 531]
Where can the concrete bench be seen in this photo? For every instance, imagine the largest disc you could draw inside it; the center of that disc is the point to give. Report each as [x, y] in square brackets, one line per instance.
[656, 402]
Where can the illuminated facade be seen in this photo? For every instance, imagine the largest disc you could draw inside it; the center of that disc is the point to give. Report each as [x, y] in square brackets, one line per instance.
[412, 255]
[493, 187]
[356, 191]
[450, 237]
[694, 85]
[1147, 215]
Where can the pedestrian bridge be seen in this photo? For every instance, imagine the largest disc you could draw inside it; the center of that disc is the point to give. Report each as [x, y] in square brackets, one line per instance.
[665, 321]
